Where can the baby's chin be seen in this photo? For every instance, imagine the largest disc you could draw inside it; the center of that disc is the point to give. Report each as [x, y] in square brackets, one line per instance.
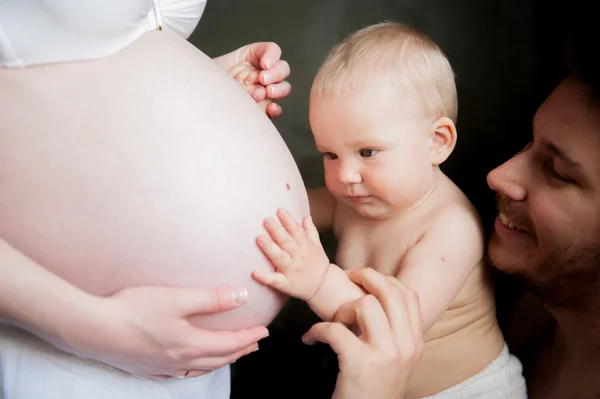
[372, 210]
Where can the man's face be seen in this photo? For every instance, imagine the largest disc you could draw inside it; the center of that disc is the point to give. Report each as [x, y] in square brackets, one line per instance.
[548, 225]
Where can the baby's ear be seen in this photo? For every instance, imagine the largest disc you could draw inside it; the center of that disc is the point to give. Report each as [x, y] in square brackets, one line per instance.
[443, 139]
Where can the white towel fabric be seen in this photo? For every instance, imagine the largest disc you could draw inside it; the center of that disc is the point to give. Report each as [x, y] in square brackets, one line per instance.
[502, 379]
[32, 369]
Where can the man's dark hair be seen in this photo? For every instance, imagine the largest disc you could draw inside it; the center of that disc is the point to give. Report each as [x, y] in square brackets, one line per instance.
[583, 48]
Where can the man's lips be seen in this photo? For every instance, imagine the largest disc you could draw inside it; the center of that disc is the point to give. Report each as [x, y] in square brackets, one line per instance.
[506, 221]
[508, 227]
[511, 217]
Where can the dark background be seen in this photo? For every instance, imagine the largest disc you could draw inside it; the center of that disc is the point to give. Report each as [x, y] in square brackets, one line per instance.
[505, 55]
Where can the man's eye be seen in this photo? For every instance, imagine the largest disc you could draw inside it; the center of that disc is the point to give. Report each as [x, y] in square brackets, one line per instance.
[330, 155]
[548, 166]
[368, 152]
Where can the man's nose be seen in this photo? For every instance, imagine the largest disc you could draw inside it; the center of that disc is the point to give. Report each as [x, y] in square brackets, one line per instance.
[510, 178]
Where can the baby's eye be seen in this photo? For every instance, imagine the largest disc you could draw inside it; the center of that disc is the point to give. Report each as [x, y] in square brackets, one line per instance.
[368, 152]
[330, 155]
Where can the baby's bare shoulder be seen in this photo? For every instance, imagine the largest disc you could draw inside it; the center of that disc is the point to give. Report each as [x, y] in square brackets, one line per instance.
[459, 216]
[457, 230]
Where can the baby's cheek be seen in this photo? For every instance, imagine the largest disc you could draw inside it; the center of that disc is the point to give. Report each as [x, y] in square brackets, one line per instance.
[330, 176]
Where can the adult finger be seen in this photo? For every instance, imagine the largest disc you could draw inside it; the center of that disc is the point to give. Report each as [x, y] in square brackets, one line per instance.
[192, 301]
[278, 91]
[335, 335]
[400, 305]
[276, 74]
[412, 307]
[368, 315]
[213, 363]
[263, 55]
[273, 110]
[257, 92]
[389, 296]
[223, 343]
[265, 105]
[347, 314]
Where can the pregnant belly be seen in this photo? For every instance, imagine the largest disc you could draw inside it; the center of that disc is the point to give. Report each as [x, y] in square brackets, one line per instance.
[151, 166]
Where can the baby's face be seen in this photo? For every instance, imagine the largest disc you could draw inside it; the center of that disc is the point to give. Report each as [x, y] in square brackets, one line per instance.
[376, 155]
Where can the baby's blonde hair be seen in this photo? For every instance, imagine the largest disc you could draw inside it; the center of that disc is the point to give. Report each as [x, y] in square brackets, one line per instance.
[394, 54]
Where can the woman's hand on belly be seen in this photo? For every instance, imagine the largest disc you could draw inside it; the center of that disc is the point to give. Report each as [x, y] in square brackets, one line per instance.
[145, 331]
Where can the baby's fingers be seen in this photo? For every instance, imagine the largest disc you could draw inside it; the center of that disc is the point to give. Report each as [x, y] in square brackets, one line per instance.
[290, 224]
[311, 229]
[272, 279]
[276, 255]
[281, 236]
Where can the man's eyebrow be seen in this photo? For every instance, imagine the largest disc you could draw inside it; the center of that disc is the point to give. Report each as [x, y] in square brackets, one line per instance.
[562, 155]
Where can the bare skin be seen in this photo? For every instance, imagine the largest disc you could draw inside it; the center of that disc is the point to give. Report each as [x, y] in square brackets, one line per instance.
[115, 201]
[417, 227]
[547, 233]
[469, 323]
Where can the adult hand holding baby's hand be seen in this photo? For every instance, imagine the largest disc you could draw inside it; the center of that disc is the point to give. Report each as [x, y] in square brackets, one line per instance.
[380, 361]
[296, 252]
[145, 331]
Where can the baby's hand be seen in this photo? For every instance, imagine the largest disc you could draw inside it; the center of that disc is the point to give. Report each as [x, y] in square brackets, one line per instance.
[296, 251]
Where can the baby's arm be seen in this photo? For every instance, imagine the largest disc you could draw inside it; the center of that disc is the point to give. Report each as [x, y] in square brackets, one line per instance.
[438, 266]
[303, 269]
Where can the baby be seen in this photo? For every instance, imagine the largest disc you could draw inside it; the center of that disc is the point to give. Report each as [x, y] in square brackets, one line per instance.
[382, 110]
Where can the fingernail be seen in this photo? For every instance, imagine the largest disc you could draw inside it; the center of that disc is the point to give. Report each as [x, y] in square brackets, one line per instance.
[265, 335]
[255, 349]
[266, 78]
[272, 90]
[268, 63]
[240, 296]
